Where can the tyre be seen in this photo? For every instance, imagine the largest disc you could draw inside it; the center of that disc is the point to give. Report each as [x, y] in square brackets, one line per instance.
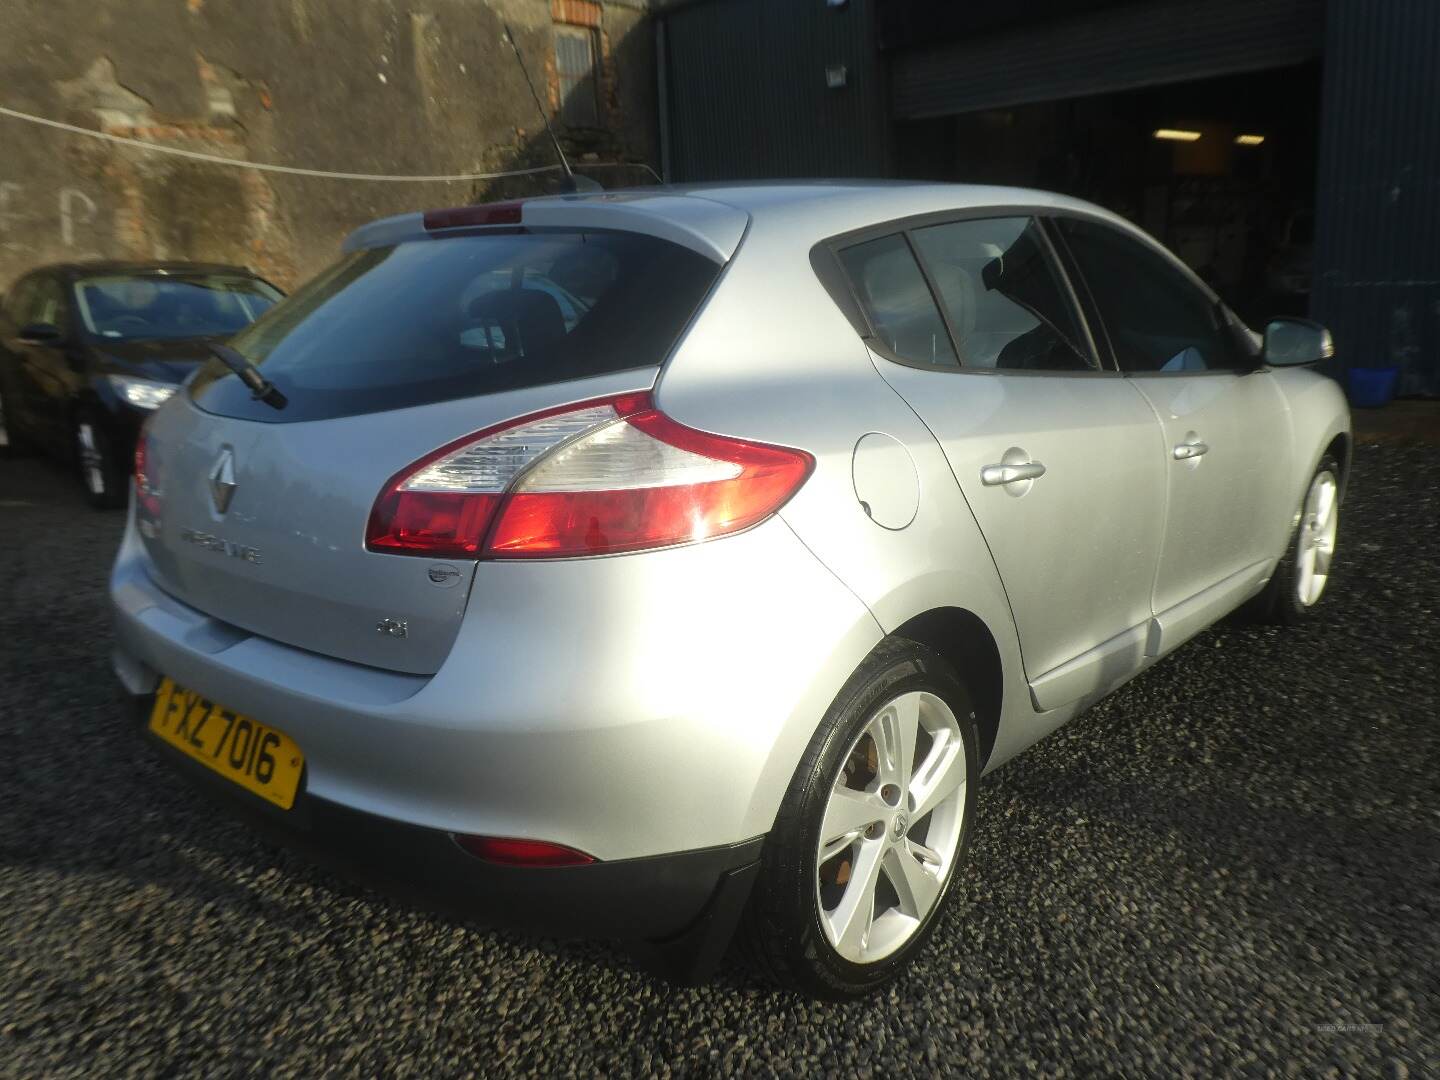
[871, 831]
[102, 473]
[1300, 578]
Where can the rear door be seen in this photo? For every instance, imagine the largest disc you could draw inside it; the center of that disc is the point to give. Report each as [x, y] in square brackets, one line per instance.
[1056, 456]
[49, 367]
[1227, 445]
[259, 515]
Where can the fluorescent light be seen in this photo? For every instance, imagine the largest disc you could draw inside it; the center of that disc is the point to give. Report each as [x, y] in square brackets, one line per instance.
[1176, 134]
[1249, 140]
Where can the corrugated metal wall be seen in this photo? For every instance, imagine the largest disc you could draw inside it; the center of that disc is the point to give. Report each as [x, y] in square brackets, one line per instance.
[1377, 267]
[747, 94]
[747, 97]
[1103, 52]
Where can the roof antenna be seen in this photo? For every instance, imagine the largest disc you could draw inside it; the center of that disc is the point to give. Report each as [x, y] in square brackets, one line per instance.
[571, 183]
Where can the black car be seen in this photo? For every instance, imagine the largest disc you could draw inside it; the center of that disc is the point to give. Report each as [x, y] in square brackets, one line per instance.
[87, 350]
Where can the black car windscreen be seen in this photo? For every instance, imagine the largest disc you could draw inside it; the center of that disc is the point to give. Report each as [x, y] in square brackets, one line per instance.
[436, 319]
[138, 307]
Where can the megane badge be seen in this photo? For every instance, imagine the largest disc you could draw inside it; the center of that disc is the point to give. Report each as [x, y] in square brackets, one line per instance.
[211, 542]
[222, 480]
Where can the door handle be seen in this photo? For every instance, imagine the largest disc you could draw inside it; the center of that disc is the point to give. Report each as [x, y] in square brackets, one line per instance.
[994, 475]
[1186, 451]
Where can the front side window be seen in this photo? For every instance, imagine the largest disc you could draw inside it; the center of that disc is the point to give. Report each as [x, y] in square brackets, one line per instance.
[897, 301]
[126, 307]
[1003, 299]
[1157, 319]
[46, 304]
[17, 303]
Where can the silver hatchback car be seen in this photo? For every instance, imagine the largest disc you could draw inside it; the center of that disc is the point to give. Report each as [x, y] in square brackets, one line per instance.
[669, 564]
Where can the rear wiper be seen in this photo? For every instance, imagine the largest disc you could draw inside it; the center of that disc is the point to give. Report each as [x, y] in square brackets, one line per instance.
[261, 388]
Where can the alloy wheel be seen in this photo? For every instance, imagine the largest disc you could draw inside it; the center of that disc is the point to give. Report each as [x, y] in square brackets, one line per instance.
[891, 828]
[1318, 524]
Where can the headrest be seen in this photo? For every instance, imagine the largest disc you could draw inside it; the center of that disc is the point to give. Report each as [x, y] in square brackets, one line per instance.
[534, 316]
[957, 288]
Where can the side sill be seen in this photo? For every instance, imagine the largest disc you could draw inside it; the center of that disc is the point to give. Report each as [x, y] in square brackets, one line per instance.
[1092, 672]
[1176, 625]
[1110, 663]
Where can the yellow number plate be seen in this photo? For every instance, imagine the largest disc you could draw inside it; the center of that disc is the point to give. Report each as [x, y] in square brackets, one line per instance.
[257, 757]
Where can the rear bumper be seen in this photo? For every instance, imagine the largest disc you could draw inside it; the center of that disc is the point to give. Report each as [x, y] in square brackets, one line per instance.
[681, 908]
[626, 707]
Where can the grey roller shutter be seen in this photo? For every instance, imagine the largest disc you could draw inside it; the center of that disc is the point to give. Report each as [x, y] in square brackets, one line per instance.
[1105, 51]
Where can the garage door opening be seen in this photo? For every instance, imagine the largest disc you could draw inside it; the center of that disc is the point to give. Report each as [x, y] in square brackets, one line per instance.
[1221, 170]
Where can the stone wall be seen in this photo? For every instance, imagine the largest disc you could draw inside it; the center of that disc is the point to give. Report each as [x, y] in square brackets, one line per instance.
[366, 86]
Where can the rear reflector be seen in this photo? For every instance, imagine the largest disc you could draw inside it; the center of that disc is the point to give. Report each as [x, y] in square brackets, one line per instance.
[598, 478]
[509, 852]
[500, 213]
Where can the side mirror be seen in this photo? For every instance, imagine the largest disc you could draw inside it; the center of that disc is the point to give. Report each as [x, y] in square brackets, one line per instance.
[1292, 342]
[40, 333]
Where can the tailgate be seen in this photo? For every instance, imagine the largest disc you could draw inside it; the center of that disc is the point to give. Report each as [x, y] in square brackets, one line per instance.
[285, 558]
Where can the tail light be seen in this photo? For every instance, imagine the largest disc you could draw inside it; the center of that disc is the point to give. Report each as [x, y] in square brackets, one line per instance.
[497, 213]
[598, 478]
[147, 492]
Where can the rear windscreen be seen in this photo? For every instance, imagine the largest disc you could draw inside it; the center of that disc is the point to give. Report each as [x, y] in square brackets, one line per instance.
[436, 319]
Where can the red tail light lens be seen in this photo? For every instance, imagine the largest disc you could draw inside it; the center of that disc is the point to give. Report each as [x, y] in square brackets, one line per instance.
[598, 478]
[439, 524]
[509, 852]
[147, 493]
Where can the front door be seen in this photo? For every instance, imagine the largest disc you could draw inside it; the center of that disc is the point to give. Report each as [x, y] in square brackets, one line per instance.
[1226, 447]
[35, 376]
[1057, 458]
[15, 388]
[45, 369]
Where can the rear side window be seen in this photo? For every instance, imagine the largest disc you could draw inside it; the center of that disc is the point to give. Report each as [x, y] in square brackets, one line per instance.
[432, 320]
[897, 301]
[1157, 319]
[1002, 296]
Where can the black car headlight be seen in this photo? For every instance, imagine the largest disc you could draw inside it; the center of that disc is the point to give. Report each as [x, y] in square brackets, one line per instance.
[141, 393]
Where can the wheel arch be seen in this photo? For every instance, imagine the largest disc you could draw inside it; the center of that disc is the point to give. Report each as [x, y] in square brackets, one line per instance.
[1320, 419]
[964, 641]
[1341, 447]
[85, 402]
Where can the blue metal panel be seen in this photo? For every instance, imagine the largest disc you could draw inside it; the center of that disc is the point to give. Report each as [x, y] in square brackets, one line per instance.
[1377, 268]
[748, 93]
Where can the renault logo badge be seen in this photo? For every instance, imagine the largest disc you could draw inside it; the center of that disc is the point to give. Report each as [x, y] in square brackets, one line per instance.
[222, 480]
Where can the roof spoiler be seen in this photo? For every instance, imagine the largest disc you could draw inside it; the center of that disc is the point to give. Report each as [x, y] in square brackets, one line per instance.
[711, 228]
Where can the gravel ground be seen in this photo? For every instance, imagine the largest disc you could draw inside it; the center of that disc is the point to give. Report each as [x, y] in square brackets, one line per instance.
[1227, 868]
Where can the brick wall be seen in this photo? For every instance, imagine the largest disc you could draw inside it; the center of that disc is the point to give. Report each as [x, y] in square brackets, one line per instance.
[428, 87]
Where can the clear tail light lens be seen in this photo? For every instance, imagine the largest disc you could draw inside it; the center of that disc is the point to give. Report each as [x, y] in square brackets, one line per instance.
[594, 479]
